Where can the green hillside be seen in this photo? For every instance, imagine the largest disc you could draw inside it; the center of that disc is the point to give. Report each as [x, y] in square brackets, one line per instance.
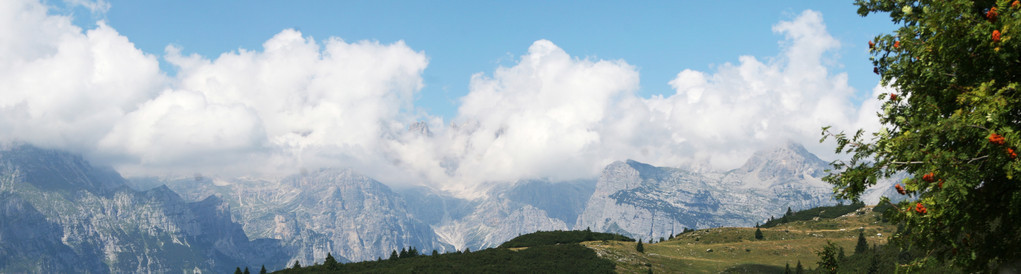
[735, 249]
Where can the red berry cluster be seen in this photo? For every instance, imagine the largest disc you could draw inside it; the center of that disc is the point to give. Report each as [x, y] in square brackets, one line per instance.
[896, 44]
[996, 36]
[929, 177]
[1016, 4]
[920, 208]
[992, 14]
[900, 189]
[893, 97]
[996, 139]
[999, 140]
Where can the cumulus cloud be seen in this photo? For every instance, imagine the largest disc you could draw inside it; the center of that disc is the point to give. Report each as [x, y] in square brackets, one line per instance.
[62, 87]
[723, 116]
[294, 97]
[301, 103]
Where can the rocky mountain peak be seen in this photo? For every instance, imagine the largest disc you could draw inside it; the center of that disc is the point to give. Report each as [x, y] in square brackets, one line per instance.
[59, 170]
[787, 160]
[420, 128]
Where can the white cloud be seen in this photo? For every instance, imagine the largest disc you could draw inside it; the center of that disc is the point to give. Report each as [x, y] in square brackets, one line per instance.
[541, 117]
[64, 88]
[296, 101]
[725, 115]
[97, 6]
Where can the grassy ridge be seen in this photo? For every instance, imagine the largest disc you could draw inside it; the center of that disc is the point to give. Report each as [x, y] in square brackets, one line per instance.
[823, 212]
[540, 252]
[561, 237]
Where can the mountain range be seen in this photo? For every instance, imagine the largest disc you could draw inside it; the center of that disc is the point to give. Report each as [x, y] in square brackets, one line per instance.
[63, 214]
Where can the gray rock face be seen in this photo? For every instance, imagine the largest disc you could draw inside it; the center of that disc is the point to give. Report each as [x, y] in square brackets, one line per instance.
[643, 201]
[351, 216]
[60, 214]
[506, 211]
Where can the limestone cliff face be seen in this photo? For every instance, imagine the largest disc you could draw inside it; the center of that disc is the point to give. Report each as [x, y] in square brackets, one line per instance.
[360, 218]
[60, 214]
[337, 211]
[650, 202]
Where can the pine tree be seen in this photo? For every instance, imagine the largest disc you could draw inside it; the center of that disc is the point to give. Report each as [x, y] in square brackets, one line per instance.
[787, 268]
[297, 265]
[237, 270]
[263, 271]
[828, 258]
[758, 234]
[840, 256]
[467, 250]
[789, 212]
[435, 252]
[862, 245]
[246, 271]
[640, 247]
[330, 262]
[799, 269]
[404, 253]
[393, 255]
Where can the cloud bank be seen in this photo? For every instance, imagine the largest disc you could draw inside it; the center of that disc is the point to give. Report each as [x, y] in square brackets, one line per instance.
[299, 103]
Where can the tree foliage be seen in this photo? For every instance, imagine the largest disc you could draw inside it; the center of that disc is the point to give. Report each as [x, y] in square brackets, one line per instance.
[863, 244]
[952, 122]
[828, 261]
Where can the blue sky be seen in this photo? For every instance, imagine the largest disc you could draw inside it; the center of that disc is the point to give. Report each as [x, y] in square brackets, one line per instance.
[508, 90]
[461, 38]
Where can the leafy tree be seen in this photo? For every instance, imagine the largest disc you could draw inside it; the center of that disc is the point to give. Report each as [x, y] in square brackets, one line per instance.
[263, 271]
[863, 244]
[640, 247]
[953, 122]
[828, 258]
